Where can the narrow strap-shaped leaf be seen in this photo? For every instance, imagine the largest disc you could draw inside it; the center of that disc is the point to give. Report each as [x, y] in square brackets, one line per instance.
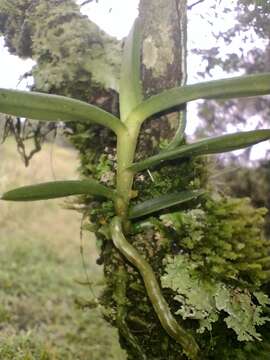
[214, 145]
[46, 107]
[180, 132]
[57, 189]
[130, 84]
[162, 202]
[249, 85]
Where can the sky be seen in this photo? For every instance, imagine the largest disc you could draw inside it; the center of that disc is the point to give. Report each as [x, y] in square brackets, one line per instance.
[116, 18]
[12, 68]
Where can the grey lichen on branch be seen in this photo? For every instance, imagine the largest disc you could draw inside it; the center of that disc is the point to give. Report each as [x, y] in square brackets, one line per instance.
[163, 64]
[69, 49]
[162, 50]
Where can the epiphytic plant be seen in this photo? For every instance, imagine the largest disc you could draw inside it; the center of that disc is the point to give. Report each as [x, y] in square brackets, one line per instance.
[134, 110]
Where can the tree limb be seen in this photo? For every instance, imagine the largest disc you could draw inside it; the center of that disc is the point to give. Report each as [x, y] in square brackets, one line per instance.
[194, 4]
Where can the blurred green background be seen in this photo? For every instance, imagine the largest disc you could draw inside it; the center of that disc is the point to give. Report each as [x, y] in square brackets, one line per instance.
[41, 269]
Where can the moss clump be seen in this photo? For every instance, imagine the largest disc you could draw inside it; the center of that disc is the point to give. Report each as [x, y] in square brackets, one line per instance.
[175, 177]
[224, 237]
[219, 272]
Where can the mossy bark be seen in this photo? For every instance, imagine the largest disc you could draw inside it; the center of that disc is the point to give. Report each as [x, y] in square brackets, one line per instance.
[163, 45]
[141, 333]
[163, 66]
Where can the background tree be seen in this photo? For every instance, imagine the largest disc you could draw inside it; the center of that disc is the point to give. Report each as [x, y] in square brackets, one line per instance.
[200, 240]
[251, 30]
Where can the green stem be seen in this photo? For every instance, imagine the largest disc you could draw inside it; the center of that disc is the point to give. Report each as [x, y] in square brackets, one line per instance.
[126, 147]
[180, 132]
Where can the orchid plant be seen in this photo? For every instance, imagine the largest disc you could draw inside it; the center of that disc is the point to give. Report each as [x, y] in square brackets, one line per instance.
[134, 110]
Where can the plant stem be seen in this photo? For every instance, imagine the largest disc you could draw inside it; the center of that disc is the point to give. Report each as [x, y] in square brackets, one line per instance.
[126, 147]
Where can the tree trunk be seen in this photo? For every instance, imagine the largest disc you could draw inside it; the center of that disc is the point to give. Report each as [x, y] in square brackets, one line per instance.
[163, 58]
[164, 46]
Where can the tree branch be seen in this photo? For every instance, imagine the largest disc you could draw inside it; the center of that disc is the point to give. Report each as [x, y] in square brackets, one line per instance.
[87, 2]
[194, 4]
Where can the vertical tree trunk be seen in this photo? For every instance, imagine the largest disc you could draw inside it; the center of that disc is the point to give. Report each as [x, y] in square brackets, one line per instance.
[164, 45]
[163, 57]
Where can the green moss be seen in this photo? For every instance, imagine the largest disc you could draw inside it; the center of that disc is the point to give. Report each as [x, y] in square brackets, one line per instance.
[177, 176]
[224, 237]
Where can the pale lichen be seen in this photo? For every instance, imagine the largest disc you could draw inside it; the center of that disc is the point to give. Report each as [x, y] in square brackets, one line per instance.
[155, 57]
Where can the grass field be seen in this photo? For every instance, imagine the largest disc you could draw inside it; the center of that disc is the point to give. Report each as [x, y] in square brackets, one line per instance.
[40, 268]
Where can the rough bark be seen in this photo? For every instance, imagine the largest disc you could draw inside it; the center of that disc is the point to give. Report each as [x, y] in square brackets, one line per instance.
[164, 44]
[163, 66]
[164, 27]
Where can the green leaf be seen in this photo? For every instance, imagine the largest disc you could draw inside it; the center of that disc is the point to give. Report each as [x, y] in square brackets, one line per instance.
[130, 84]
[207, 146]
[45, 107]
[57, 189]
[162, 202]
[179, 135]
[249, 85]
